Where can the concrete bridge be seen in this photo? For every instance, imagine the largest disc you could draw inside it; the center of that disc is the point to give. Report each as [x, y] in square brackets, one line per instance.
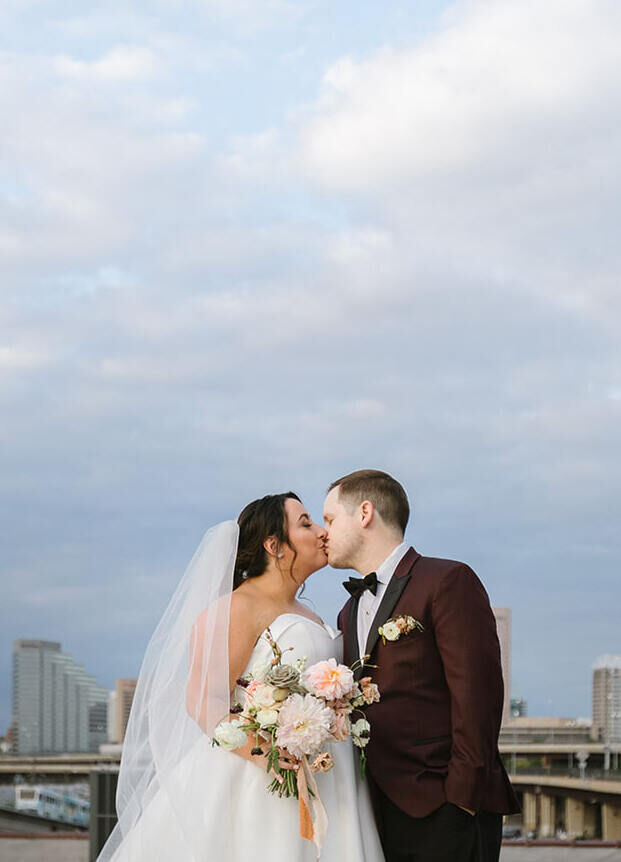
[556, 795]
[561, 755]
[55, 768]
[566, 755]
[577, 807]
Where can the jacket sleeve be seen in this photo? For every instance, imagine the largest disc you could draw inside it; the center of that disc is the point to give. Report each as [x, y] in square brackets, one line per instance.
[465, 632]
[340, 620]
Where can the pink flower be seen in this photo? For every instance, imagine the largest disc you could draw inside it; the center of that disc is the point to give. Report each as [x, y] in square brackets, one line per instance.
[252, 687]
[344, 705]
[304, 724]
[260, 694]
[370, 691]
[341, 726]
[322, 763]
[329, 680]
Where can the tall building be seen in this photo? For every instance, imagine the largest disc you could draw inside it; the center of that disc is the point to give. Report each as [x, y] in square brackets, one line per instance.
[125, 689]
[606, 725]
[57, 706]
[503, 627]
[112, 717]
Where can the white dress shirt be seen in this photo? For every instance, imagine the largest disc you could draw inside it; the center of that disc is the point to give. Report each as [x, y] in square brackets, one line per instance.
[369, 603]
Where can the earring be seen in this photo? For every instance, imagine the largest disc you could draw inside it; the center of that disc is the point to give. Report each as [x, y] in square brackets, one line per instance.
[280, 556]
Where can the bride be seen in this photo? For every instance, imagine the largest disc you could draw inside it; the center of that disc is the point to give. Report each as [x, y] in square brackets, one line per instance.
[181, 798]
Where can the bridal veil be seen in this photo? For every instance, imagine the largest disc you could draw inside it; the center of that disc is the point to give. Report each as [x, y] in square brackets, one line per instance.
[181, 695]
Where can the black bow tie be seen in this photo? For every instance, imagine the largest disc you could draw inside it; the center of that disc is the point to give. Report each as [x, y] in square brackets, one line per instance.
[356, 586]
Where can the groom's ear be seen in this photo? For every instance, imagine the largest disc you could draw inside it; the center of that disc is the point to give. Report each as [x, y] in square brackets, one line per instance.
[367, 512]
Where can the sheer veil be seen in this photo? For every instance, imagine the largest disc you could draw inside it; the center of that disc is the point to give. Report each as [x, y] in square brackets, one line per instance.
[181, 695]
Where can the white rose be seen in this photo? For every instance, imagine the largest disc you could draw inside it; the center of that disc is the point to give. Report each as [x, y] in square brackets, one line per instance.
[360, 731]
[391, 631]
[229, 735]
[263, 696]
[267, 717]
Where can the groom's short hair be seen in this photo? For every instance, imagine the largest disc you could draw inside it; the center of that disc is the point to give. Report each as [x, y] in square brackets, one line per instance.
[386, 494]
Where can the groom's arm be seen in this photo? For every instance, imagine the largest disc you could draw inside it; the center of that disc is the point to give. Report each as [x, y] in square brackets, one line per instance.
[340, 620]
[465, 632]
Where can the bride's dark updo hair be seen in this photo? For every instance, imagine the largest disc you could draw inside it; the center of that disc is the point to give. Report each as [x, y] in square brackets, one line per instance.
[257, 522]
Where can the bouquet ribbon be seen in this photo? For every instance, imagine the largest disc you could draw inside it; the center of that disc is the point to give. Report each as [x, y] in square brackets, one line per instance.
[313, 829]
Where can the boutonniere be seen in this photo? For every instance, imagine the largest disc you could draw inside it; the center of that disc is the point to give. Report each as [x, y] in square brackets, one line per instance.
[397, 626]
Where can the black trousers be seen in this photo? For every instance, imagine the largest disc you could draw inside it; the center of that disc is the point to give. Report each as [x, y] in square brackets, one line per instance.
[448, 834]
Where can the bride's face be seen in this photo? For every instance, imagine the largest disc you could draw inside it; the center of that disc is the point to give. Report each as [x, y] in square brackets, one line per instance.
[308, 539]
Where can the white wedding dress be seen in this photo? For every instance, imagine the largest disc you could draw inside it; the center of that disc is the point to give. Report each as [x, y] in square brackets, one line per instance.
[228, 814]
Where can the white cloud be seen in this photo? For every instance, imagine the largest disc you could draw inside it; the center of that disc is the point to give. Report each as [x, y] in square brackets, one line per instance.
[20, 359]
[497, 90]
[488, 152]
[122, 64]
[89, 166]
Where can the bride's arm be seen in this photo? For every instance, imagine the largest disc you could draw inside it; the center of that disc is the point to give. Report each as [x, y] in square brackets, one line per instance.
[244, 630]
[207, 660]
[243, 633]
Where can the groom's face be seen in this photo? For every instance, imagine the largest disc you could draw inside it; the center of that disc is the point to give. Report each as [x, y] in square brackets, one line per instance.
[344, 531]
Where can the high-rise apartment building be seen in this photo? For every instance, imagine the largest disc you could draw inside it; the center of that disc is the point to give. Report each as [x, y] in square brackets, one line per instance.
[57, 706]
[503, 627]
[606, 725]
[112, 716]
[125, 689]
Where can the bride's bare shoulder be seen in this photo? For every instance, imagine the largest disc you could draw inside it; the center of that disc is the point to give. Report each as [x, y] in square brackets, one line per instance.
[248, 614]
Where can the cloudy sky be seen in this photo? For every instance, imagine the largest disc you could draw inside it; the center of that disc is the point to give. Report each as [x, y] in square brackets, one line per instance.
[249, 245]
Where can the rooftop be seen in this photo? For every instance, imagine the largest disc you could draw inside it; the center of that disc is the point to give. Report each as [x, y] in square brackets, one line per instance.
[607, 662]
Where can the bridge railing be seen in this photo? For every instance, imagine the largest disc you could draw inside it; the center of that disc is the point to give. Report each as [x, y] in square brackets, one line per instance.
[566, 772]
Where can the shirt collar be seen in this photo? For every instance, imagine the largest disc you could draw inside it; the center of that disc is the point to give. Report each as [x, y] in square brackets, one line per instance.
[388, 567]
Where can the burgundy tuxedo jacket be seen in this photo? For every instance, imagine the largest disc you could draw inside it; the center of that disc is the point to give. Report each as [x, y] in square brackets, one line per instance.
[434, 733]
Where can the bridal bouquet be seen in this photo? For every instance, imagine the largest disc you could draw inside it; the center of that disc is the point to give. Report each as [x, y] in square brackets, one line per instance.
[293, 711]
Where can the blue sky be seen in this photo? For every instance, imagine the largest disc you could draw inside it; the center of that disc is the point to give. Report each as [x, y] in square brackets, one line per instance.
[249, 246]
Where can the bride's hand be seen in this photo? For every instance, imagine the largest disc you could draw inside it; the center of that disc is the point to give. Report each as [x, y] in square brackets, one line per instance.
[287, 761]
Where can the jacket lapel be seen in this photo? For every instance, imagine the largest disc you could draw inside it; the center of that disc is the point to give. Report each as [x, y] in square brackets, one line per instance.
[391, 596]
[351, 635]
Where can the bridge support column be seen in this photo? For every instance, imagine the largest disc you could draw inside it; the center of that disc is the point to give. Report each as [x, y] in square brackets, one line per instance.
[548, 816]
[574, 818]
[590, 821]
[611, 822]
[529, 816]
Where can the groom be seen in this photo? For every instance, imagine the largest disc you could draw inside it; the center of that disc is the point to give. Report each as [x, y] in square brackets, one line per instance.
[438, 784]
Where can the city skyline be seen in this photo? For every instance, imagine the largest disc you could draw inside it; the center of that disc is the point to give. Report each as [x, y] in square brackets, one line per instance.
[606, 682]
[56, 705]
[249, 247]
